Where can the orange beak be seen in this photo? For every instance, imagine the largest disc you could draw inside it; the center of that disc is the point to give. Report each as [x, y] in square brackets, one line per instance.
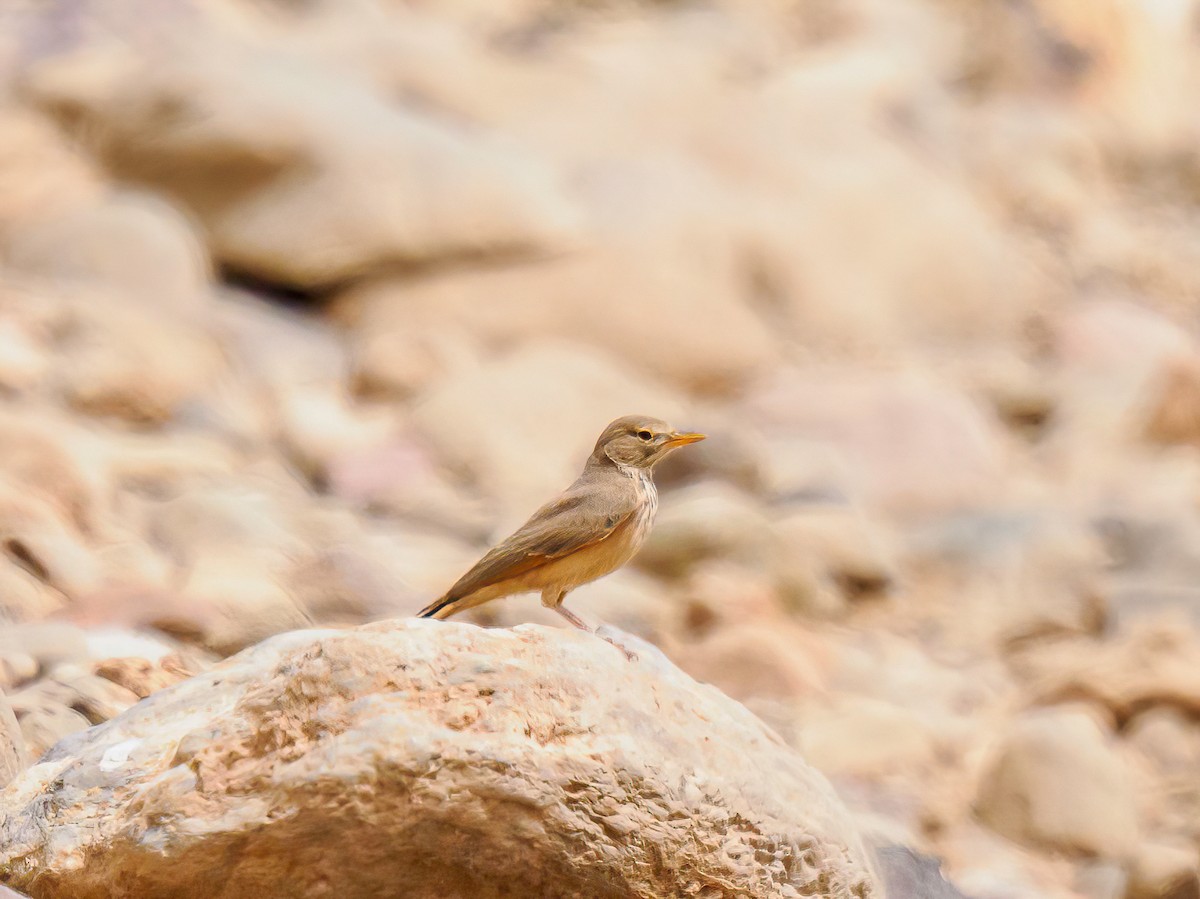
[678, 439]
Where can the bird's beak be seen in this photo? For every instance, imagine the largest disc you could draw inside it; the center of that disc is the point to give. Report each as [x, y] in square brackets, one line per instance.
[678, 439]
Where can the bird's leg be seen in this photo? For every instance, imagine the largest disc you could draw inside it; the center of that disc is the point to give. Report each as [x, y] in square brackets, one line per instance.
[574, 619]
[554, 601]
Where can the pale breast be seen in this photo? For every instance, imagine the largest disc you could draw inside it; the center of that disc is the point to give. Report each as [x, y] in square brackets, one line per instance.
[607, 555]
[644, 516]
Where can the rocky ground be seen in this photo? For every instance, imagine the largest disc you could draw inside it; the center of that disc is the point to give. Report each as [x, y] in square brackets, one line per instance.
[303, 303]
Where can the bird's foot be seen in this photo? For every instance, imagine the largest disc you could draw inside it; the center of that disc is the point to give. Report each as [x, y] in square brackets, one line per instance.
[578, 622]
[630, 655]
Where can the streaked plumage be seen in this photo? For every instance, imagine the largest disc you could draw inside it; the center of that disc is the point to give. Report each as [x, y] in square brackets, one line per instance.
[590, 530]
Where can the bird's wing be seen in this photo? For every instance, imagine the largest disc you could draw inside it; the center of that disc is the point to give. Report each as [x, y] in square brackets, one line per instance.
[577, 519]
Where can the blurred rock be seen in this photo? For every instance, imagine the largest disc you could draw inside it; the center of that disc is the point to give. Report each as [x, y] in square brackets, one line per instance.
[1116, 340]
[1016, 388]
[1063, 169]
[853, 278]
[276, 348]
[300, 176]
[865, 737]
[633, 297]
[549, 401]
[1173, 413]
[41, 174]
[73, 686]
[914, 445]
[1019, 575]
[216, 519]
[16, 668]
[44, 725]
[827, 557]
[46, 454]
[310, 694]
[418, 564]
[1164, 872]
[25, 362]
[777, 661]
[401, 361]
[705, 521]
[80, 682]
[23, 596]
[799, 469]
[718, 594]
[908, 875]
[142, 676]
[1120, 368]
[983, 864]
[1166, 751]
[230, 602]
[320, 427]
[400, 476]
[1152, 667]
[162, 465]
[1101, 879]
[112, 346]
[109, 642]
[1168, 738]
[901, 671]
[134, 244]
[13, 758]
[127, 563]
[45, 643]
[1055, 781]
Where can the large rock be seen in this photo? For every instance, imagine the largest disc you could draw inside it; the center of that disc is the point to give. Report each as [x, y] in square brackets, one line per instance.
[453, 760]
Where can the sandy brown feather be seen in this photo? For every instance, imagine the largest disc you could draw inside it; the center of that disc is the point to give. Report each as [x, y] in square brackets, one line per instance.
[582, 517]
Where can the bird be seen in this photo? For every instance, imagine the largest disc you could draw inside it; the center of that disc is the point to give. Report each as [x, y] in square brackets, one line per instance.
[589, 530]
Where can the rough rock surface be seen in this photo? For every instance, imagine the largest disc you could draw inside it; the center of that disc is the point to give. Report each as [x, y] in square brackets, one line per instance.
[453, 760]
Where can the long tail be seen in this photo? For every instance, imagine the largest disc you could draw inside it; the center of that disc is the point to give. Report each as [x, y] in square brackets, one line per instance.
[440, 608]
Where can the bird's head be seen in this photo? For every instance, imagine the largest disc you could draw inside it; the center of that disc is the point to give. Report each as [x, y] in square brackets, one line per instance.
[637, 441]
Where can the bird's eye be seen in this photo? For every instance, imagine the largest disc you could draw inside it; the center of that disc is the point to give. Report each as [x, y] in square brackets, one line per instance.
[645, 435]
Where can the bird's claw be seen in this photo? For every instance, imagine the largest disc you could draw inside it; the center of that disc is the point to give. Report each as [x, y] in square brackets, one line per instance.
[629, 654]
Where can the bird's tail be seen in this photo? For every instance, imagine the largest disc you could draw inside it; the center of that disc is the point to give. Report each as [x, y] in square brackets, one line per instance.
[441, 608]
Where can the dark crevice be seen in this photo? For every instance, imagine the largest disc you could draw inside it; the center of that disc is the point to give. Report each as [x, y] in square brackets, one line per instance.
[24, 557]
[286, 295]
